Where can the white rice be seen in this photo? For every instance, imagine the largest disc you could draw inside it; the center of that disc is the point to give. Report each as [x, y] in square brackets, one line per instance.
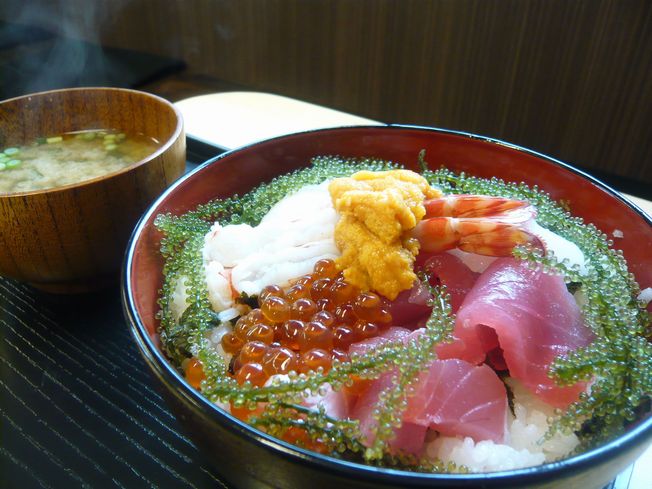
[645, 296]
[484, 456]
[561, 248]
[215, 337]
[179, 299]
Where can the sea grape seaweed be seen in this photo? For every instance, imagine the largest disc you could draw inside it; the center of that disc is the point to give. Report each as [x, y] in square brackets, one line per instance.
[619, 362]
[413, 360]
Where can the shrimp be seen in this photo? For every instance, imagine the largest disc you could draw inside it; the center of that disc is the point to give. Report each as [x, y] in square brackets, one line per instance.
[479, 224]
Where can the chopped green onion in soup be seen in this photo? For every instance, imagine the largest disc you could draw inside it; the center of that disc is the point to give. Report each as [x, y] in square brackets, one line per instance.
[55, 161]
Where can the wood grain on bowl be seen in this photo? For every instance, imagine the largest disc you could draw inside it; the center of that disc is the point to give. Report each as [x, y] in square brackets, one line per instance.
[72, 238]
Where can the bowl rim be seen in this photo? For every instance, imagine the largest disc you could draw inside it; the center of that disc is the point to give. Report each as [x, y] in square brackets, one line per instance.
[178, 130]
[165, 372]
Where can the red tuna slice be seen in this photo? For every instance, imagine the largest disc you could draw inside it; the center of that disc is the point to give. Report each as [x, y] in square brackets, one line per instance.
[409, 437]
[457, 398]
[450, 271]
[535, 319]
[336, 404]
[411, 306]
[451, 396]
[361, 385]
[410, 309]
[391, 334]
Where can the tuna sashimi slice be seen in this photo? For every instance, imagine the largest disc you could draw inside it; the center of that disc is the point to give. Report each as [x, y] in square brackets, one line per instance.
[449, 270]
[535, 320]
[390, 334]
[408, 438]
[411, 307]
[457, 398]
[451, 396]
[336, 404]
[361, 385]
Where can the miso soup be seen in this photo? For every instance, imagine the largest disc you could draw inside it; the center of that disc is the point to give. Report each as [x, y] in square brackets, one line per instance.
[70, 158]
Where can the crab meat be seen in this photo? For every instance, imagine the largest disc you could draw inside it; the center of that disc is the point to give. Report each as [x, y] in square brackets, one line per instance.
[290, 239]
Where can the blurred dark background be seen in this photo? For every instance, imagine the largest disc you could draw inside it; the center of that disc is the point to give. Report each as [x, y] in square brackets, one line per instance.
[569, 78]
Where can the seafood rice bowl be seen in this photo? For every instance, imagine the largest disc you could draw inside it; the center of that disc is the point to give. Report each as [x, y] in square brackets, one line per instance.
[421, 320]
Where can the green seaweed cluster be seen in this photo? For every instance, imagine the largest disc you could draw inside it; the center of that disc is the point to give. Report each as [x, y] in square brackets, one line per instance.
[619, 361]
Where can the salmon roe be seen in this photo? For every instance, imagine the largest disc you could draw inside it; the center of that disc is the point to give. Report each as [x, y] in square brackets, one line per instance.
[194, 372]
[305, 327]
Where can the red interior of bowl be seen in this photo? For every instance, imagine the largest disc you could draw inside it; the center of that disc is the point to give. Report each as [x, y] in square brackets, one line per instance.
[239, 171]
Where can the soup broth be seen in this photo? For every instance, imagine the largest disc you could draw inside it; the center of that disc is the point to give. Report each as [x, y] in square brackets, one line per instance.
[70, 158]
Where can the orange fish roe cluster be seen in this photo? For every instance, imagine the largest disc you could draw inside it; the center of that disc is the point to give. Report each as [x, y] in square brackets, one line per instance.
[304, 327]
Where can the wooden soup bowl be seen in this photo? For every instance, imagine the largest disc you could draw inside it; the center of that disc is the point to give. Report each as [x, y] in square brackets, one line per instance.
[72, 238]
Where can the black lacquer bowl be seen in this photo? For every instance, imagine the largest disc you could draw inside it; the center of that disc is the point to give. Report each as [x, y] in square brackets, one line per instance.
[249, 458]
